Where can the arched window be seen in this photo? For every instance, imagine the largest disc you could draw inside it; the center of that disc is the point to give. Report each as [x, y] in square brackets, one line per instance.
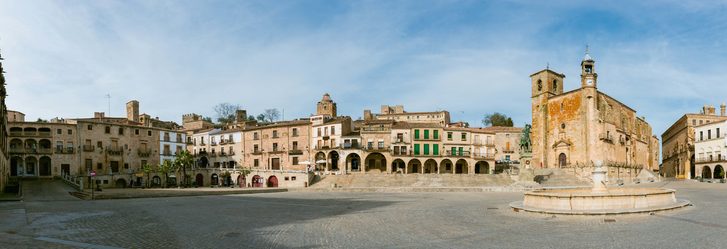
[555, 84]
[562, 160]
[540, 85]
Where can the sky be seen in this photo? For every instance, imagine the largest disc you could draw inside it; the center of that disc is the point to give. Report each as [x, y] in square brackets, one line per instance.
[662, 58]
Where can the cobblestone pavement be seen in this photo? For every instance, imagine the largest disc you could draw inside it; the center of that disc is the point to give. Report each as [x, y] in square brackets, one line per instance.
[355, 220]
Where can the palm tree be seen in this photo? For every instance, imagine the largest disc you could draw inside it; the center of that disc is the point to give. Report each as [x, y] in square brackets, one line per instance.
[147, 169]
[183, 161]
[165, 168]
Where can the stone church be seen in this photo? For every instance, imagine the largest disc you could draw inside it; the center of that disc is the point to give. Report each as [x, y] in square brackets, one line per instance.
[584, 125]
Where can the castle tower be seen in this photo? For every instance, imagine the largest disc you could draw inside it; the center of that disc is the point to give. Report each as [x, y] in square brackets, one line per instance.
[326, 106]
[545, 84]
[132, 111]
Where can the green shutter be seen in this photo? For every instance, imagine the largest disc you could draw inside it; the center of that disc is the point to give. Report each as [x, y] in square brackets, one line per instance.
[460, 151]
[435, 149]
[426, 149]
[416, 134]
[436, 134]
[416, 149]
[426, 134]
[454, 151]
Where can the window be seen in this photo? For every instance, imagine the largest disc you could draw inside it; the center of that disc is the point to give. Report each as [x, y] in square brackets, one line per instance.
[70, 132]
[99, 144]
[701, 135]
[275, 134]
[709, 134]
[319, 131]
[436, 134]
[435, 149]
[121, 130]
[454, 151]
[256, 163]
[295, 145]
[426, 149]
[416, 134]
[370, 145]
[108, 130]
[416, 149]
[449, 136]
[461, 153]
[333, 130]
[295, 132]
[126, 166]
[275, 146]
[717, 133]
[136, 131]
[426, 134]
[148, 133]
[295, 160]
[255, 148]
[59, 131]
[99, 166]
[90, 127]
[464, 136]
[381, 144]
[555, 84]
[694, 122]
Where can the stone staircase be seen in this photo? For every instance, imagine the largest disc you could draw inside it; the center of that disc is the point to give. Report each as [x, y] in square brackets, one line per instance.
[413, 181]
[558, 178]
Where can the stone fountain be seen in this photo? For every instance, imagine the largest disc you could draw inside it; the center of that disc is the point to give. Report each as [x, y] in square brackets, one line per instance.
[599, 200]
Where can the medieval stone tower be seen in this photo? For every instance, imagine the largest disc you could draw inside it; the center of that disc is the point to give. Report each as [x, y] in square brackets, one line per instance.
[132, 110]
[326, 106]
[545, 85]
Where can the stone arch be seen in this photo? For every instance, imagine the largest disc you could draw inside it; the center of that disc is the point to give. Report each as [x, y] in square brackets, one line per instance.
[320, 161]
[257, 181]
[30, 164]
[31, 146]
[241, 181]
[482, 167]
[398, 166]
[16, 166]
[16, 143]
[414, 166]
[214, 179]
[562, 160]
[446, 167]
[29, 131]
[719, 172]
[333, 159]
[199, 180]
[706, 172]
[375, 162]
[120, 183]
[353, 162]
[203, 162]
[44, 166]
[272, 182]
[430, 167]
[461, 167]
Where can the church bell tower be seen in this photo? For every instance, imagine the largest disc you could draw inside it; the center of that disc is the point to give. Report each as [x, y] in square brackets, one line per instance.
[589, 77]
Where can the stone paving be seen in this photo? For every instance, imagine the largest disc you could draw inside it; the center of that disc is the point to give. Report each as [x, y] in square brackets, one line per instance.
[355, 220]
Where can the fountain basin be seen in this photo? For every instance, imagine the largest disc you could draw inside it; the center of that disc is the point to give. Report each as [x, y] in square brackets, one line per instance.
[585, 201]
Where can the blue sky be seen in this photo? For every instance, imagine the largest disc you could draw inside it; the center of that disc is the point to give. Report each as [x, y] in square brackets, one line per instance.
[662, 58]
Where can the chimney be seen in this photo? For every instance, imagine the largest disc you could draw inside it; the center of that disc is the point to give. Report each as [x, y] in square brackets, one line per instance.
[240, 116]
[722, 109]
[98, 115]
[367, 115]
[132, 111]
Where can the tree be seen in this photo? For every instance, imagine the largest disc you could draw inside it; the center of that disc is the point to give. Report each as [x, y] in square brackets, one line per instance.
[147, 169]
[208, 119]
[261, 118]
[165, 168]
[183, 161]
[251, 117]
[497, 119]
[271, 115]
[226, 112]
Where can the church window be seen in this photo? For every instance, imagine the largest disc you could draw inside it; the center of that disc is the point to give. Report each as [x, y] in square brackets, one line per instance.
[562, 126]
[540, 85]
[555, 84]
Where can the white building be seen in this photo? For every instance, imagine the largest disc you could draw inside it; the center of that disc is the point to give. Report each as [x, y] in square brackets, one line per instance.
[171, 143]
[710, 149]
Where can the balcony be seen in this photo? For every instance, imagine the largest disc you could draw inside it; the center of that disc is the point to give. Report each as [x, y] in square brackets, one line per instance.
[16, 133]
[114, 151]
[295, 152]
[458, 153]
[351, 146]
[508, 151]
[213, 143]
[256, 138]
[44, 134]
[45, 151]
[427, 139]
[17, 150]
[166, 139]
[30, 133]
[400, 141]
[711, 159]
[484, 156]
[144, 152]
[167, 153]
[326, 137]
[400, 153]
[376, 149]
[89, 148]
[257, 152]
[606, 137]
[375, 129]
[276, 151]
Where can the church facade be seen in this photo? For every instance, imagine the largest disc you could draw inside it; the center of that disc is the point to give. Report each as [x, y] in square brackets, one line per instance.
[584, 125]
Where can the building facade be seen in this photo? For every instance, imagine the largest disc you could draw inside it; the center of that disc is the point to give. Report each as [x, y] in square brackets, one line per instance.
[584, 125]
[4, 117]
[678, 158]
[710, 149]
